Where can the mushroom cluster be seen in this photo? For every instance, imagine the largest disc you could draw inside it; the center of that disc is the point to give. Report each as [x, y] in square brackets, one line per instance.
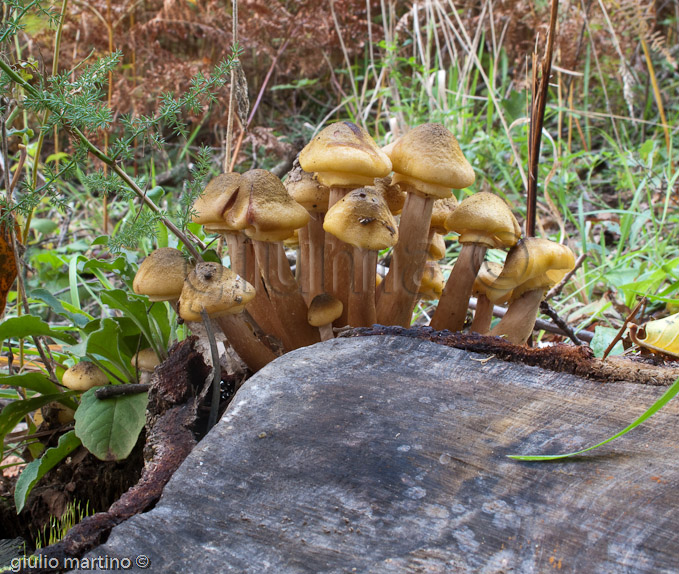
[346, 201]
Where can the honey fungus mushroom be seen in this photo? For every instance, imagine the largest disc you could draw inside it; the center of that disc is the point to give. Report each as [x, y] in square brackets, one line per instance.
[83, 376]
[427, 162]
[161, 275]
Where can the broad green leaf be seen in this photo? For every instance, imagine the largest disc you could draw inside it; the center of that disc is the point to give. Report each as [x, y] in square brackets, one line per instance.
[602, 338]
[667, 396]
[44, 226]
[79, 319]
[107, 343]
[29, 325]
[33, 381]
[35, 470]
[109, 428]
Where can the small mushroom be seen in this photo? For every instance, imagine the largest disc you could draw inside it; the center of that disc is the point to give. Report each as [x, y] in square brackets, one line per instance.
[431, 286]
[362, 219]
[146, 361]
[83, 376]
[323, 310]
[483, 221]
[532, 266]
[427, 162]
[161, 275]
[222, 294]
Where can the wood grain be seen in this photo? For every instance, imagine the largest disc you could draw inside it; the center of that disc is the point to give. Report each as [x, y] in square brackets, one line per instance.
[387, 454]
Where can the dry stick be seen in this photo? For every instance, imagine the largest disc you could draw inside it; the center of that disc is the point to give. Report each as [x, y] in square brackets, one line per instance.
[621, 331]
[548, 310]
[110, 391]
[537, 117]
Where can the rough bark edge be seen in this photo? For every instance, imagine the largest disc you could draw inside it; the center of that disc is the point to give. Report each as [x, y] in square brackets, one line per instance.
[562, 358]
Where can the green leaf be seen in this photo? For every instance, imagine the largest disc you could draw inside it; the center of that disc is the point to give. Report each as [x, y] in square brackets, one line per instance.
[35, 470]
[44, 226]
[106, 343]
[602, 338]
[667, 396]
[33, 381]
[12, 414]
[27, 326]
[109, 428]
[79, 319]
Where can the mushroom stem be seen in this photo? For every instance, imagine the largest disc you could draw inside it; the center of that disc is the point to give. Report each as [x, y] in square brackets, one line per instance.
[242, 338]
[519, 320]
[338, 262]
[362, 311]
[242, 255]
[326, 332]
[397, 295]
[311, 244]
[483, 315]
[285, 297]
[452, 308]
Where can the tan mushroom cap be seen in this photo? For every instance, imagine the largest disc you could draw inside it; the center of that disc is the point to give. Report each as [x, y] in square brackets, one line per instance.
[161, 275]
[216, 289]
[307, 191]
[146, 360]
[488, 273]
[442, 210]
[431, 286]
[392, 193]
[437, 248]
[362, 219]
[429, 158]
[344, 155]
[533, 263]
[84, 376]
[324, 309]
[486, 219]
[271, 215]
[212, 207]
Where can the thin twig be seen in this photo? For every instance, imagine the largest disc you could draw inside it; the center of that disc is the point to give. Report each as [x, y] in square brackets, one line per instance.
[621, 331]
[548, 310]
[110, 391]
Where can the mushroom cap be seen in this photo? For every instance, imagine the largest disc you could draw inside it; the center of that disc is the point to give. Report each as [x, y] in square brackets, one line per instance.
[431, 285]
[161, 275]
[429, 158]
[307, 191]
[533, 263]
[271, 215]
[392, 193]
[362, 219]
[146, 360]
[344, 155]
[324, 309]
[437, 248]
[486, 219]
[216, 289]
[442, 210]
[213, 207]
[488, 273]
[83, 376]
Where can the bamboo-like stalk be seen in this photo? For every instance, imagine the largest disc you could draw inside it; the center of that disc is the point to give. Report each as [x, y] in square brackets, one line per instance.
[519, 320]
[338, 258]
[312, 246]
[242, 338]
[362, 311]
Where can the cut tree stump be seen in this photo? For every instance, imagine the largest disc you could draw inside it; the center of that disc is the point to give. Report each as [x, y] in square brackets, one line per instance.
[386, 454]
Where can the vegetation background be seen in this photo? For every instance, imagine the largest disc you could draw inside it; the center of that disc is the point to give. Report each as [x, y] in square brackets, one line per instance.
[147, 84]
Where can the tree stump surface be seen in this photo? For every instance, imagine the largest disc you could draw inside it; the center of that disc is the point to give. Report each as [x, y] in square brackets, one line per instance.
[387, 454]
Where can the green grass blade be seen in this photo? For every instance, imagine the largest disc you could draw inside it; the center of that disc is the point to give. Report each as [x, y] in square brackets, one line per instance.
[660, 403]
